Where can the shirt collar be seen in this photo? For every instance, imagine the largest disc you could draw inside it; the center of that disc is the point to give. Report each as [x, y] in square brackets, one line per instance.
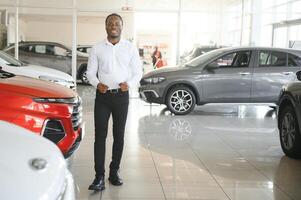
[107, 42]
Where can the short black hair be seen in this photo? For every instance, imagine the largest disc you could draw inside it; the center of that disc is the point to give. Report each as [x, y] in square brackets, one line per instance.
[114, 14]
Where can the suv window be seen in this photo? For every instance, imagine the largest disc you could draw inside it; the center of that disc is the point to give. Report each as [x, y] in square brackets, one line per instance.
[24, 48]
[233, 60]
[272, 58]
[40, 49]
[294, 61]
[43, 49]
[59, 51]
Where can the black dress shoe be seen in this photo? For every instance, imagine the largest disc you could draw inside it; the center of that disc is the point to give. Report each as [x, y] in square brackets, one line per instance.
[98, 184]
[115, 179]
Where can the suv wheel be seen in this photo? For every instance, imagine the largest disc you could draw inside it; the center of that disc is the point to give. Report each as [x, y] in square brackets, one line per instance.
[289, 132]
[180, 100]
[83, 76]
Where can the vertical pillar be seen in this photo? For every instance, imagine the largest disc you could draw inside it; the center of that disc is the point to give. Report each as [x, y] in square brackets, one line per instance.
[178, 32]
[255, 22]
[74, 40]
[17, 30]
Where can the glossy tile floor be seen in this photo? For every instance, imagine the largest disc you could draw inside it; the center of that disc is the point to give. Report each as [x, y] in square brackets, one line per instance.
[216, 152]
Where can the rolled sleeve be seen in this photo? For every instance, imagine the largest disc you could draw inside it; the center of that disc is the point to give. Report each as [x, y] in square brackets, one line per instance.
[92, 68]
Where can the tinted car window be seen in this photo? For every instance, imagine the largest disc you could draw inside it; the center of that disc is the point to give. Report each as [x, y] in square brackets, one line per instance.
[60, 51]
[40, 49]
[24, 48]
[272, 58]
[294, 61]
[236, 59]
[44, 49]
[198, 61]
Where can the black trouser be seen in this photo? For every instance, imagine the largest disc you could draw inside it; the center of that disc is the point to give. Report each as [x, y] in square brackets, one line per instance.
[105, 104]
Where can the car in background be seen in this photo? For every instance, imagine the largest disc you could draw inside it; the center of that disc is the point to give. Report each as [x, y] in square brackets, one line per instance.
[51, 54]
[45, 108]
[197, 51]
[32, 167]
[84, 49]
[226, 75]
[289, 118]
[12, 65]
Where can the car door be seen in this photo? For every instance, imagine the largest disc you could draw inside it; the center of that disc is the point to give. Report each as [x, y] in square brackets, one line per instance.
[273, 70]
[228, 78]
[62, 59]
[27, 54]
[36, 54]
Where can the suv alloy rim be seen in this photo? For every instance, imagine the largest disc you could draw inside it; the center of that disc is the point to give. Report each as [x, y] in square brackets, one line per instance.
[288, 131]
[181, 100]
[85, 79]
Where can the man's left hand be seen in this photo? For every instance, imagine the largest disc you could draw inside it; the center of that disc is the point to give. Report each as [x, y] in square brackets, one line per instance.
[124, 86]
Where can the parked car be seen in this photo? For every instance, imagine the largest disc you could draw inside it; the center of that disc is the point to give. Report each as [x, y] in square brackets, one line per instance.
[289, 118]
[47, 109]
[51, 54]
[32, 167]
[12, 65]
[227, 75]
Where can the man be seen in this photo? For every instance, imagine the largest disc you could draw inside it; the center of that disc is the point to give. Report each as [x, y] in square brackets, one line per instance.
[114, 66]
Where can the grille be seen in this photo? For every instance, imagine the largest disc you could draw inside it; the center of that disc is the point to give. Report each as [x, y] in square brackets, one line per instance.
[77, 114]
[142, 82]
[54, 131]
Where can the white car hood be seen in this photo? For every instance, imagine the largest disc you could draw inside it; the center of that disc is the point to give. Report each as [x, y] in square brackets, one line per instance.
[35, 71]
[19, 180]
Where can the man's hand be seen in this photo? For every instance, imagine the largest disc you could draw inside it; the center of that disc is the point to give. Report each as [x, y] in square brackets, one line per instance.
[102, 88]
[124, 86]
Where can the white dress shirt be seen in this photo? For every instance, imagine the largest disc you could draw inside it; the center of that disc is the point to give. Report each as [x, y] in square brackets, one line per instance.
[113, 64]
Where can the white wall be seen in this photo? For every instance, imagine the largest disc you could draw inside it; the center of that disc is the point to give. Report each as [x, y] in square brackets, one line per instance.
[90, 29]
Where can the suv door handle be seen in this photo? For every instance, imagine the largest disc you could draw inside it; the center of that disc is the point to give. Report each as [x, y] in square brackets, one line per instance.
[244, 73]
[288, 73]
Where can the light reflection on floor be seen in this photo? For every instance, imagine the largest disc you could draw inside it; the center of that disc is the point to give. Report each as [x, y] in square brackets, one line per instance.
[217, 152]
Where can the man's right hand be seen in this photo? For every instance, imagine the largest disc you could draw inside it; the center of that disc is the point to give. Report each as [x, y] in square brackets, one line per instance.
[102, 88]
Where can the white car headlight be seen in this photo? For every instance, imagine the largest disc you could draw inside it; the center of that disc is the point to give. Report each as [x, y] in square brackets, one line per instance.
[154, 80]
[69, 84]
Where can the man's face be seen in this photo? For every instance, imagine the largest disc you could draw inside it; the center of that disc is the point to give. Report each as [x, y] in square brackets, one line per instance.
[114, 27]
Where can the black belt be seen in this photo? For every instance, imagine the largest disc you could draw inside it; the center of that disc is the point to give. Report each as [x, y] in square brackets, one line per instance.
[114, 91]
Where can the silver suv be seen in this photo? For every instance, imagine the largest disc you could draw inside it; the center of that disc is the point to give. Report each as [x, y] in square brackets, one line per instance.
[227, 75]
[51, 54]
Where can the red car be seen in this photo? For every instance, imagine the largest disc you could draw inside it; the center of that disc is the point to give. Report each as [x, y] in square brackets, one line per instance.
[45, 108]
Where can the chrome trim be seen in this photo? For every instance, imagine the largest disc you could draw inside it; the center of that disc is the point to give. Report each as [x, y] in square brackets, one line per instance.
[44, 127]
[153, 91]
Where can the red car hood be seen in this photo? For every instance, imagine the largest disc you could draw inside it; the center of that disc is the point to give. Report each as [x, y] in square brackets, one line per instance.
[35, 88]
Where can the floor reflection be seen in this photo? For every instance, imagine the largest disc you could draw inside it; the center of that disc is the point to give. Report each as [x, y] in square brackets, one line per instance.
[218, 151]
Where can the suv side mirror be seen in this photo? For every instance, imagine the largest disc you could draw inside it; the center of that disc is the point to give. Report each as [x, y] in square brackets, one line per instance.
[298, 73]
[212, 66]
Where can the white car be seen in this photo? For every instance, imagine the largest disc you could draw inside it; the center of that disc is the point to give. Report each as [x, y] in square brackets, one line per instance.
[12, 65]
[31, 167]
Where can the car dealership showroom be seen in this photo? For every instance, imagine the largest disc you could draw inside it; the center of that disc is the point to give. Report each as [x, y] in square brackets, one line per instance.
[150, 100]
